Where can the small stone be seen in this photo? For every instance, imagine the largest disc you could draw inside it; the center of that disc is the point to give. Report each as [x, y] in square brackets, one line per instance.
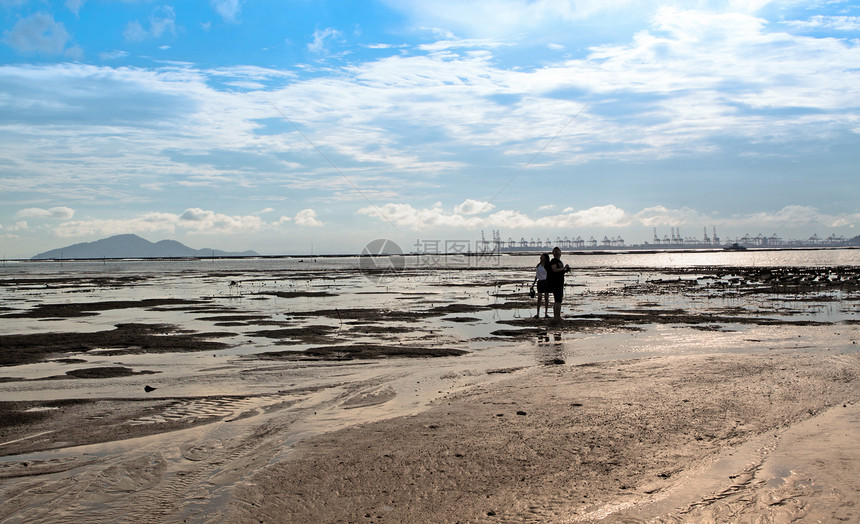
[521, 413]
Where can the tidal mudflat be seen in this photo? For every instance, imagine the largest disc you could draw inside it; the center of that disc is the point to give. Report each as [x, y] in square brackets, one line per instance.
[317, 392]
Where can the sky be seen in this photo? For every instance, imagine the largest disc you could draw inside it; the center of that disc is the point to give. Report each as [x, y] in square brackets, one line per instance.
[299, 126]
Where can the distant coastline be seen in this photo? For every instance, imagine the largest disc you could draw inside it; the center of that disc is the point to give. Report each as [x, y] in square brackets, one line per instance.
[505, 251]
[132, 247]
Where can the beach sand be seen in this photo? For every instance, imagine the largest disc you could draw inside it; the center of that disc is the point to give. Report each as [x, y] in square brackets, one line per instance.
[700, 438]
[723, 438]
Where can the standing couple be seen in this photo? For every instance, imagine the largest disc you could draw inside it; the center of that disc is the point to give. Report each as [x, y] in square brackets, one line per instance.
[549, 278]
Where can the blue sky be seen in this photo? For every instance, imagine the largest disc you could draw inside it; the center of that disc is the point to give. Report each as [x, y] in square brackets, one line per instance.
[281, 125]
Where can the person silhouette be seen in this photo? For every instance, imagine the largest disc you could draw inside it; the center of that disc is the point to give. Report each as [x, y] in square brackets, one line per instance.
[542, 285]
[555, 280]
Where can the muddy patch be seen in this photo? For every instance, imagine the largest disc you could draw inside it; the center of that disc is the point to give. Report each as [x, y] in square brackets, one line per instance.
[106, 372]
[296, 294]
[94, 308]
[361, 351]
[310, 334]
[462, 320]
[125, 339]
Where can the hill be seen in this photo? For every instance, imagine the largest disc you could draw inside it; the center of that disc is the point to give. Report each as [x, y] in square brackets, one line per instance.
[132, 246]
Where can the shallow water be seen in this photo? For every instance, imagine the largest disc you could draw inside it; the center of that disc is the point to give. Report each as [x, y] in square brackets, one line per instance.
[240, 299]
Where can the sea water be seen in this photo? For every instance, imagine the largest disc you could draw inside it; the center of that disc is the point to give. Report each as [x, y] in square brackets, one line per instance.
[291, 291]
[578, 259]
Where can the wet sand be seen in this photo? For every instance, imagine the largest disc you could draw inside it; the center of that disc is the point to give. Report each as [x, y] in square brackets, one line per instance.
[703, 438]
[679, 398]
[743, 437]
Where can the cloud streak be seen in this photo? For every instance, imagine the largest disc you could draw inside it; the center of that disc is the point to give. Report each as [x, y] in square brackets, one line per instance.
[191, 221]
[57, 213]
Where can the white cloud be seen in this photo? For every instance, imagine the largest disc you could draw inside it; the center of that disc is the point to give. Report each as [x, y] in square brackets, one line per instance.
[21, 225]
[507, 218]
[512, 19]
[599, 216]
[75, 6]
[58, 213]
[308, 218]
[228, 9]
[604, 217]
[680, 87]
[321, 37]
[436, 220]
[837, 23]
[473, 207]
[37, 33]
[404, 215]
[497, 18]
[546, 21]
[662, 216]
[789, 217]
[795, 217]
[205, 221]
[192, 220]
[113, 55]
[147, 223]
[161, 21]
[134, 32]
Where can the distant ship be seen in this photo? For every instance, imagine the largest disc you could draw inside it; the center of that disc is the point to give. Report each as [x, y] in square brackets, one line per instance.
[735, 247]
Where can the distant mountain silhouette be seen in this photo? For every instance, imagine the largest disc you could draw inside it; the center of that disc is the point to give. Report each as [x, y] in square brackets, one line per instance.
[132, 246]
